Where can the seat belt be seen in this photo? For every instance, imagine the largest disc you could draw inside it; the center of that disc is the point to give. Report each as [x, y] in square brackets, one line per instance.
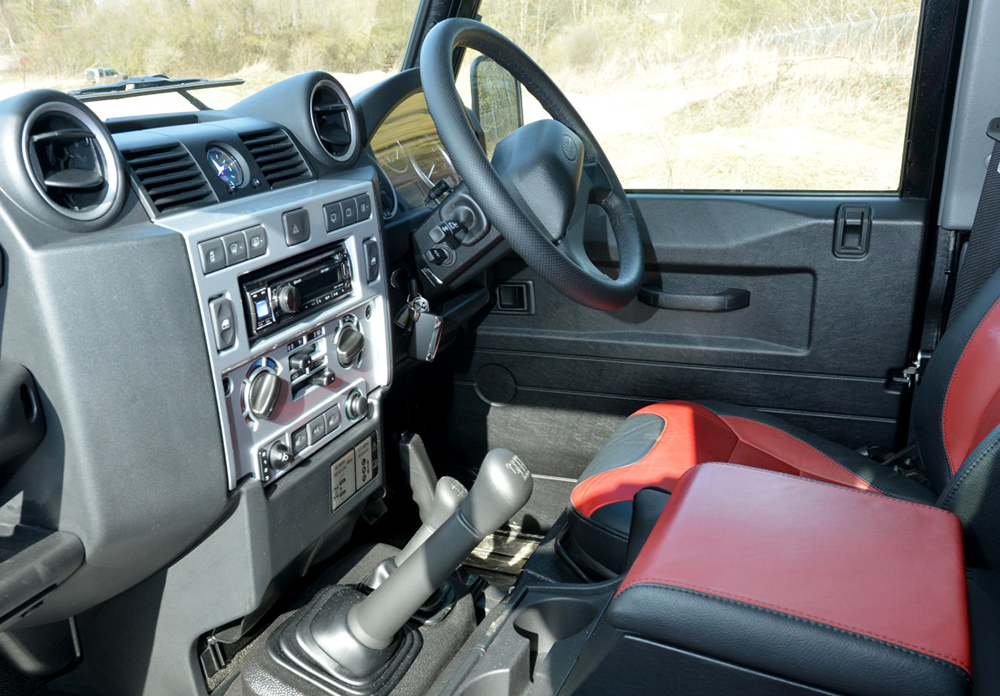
[981, 256]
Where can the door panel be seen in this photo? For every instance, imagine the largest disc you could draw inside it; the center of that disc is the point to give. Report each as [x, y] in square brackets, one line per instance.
[815, 345]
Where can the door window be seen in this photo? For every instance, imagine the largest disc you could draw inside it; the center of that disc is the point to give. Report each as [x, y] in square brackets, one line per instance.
[777, 95]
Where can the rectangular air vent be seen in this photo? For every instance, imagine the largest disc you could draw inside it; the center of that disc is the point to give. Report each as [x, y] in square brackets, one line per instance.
[277, 156]
[170, 177]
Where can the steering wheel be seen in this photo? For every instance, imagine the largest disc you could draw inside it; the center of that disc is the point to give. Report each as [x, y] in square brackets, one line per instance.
[543, 175]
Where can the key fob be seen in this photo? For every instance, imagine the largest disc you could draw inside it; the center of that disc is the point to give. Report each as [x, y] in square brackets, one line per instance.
[426, 337]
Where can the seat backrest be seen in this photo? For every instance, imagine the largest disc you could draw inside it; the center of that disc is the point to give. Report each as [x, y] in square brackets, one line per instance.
[956, 414]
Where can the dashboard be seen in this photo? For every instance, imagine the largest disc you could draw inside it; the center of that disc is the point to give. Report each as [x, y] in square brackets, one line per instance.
[200, 304]
[409, 151]
[197, 335]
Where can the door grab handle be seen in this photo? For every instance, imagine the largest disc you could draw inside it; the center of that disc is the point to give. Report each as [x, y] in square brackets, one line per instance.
[725, 301]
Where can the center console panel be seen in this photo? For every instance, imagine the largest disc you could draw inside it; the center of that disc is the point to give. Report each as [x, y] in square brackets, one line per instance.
[293, 297]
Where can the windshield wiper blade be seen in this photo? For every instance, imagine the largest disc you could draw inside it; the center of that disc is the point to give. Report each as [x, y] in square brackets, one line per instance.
[153, 84]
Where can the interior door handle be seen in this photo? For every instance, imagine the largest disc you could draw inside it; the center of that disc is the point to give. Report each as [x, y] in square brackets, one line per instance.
[725, 301]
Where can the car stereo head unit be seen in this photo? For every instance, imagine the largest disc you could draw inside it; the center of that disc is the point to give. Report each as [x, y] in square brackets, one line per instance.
[279, 295]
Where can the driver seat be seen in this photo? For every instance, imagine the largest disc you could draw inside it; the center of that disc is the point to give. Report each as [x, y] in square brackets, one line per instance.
[956, 411]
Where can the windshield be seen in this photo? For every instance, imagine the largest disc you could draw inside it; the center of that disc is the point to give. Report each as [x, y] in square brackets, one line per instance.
[69, 45]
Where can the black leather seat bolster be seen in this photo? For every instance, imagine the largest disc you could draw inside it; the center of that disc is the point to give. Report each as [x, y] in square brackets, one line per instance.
[782, 644]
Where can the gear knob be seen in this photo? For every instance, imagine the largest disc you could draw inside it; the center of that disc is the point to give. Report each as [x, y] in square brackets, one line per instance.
[502, 488]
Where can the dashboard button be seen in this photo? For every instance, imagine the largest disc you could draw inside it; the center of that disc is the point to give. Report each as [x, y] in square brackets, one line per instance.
[256, 241]
[223, 323]
[317, 430]
[236, 247]
[350, 208]
[364, 203]
[334, 216]
[332, 418]
[213, 255]
[296, 224]
[371, 260]
[300, 439]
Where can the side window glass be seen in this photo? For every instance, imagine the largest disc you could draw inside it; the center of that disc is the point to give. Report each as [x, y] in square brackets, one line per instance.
[772, 95]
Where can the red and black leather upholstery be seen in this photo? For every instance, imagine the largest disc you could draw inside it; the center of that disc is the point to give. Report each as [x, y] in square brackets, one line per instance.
[956, 414]
[835, 587]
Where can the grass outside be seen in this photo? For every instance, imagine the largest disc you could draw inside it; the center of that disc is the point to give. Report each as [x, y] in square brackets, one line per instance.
[713, 94]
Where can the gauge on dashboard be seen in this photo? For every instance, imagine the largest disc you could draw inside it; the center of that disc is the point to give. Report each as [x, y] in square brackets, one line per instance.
[226, 166]
[432, 164]
[394, 158]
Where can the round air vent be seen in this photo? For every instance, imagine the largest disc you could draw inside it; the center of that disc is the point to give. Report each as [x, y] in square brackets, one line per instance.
[71, 160]
[334, 120]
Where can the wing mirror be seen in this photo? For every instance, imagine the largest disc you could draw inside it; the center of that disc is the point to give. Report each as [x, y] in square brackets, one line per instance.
[496, 100]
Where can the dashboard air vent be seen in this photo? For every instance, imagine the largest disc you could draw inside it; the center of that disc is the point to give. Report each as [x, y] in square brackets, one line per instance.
[71, 161]
[333, 120]
[170, 177]
[279, 159]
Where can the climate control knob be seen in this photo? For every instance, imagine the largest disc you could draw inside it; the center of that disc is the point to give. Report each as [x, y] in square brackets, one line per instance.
[350, 344]
[289, 299]
[356, 406]
[262, 391]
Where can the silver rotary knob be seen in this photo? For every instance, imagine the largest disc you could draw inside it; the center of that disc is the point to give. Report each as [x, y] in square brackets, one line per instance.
[263, 388]
[350, 344]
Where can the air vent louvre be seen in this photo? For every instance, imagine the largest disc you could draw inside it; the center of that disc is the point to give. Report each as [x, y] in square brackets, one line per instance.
[333, 120]
[279, 159]
[65, 160]
[170, 177]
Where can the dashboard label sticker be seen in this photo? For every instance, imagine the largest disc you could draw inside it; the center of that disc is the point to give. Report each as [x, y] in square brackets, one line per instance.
[342, 479]
[363, 462]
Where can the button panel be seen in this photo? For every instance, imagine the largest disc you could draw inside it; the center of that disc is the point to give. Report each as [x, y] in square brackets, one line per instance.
[232, 248]
[347, 211]
[226, 249]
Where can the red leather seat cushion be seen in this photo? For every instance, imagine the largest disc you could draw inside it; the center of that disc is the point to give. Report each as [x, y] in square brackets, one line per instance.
[875, 566]
[692, 435]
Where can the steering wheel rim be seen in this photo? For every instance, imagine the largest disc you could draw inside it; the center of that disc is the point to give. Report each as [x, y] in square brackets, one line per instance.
[563, 263]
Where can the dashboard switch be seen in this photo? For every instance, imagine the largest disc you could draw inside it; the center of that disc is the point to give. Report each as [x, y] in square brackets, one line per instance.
[300, 439]
[296, 224]
[278, 455]
[213, 255]
[436, 256]
[350, 208]
[364, 203]
[301, 360]
[223, 323]
[256, 241]
[356, 405]
[323, 378]
[371, 260]
[317, 430]
[236, 247]
[332, 418]
[334, 216]
[445, 231]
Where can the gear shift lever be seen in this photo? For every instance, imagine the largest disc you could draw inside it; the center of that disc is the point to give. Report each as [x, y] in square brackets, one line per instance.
[448, 493]
[359, 639]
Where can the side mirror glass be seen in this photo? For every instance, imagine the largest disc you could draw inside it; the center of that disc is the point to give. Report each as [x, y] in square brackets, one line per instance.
[496, 100]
